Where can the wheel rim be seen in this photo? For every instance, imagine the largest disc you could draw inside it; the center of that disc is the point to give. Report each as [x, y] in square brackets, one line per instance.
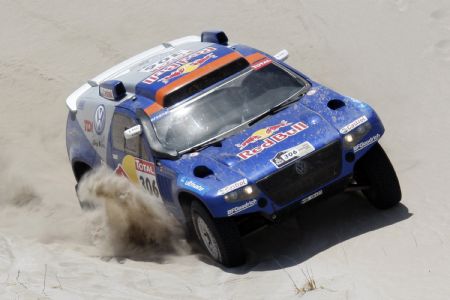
[208, 238]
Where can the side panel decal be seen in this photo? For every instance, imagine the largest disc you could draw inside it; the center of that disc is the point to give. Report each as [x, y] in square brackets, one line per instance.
[140, 172]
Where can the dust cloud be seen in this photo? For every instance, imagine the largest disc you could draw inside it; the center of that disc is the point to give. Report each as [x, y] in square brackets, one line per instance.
[132, 223]
[122, 221]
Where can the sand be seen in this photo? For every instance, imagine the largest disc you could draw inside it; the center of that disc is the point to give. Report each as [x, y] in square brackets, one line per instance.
[395, 55]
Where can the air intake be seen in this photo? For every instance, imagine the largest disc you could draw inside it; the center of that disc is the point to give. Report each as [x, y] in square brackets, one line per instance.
[217, 37]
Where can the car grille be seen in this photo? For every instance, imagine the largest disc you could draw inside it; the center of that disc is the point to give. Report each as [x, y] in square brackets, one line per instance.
[304, 175]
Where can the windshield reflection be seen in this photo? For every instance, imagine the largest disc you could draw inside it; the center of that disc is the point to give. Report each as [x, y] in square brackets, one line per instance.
[226, 107]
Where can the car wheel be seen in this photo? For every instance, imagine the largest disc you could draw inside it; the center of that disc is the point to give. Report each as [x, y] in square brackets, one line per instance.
[376, 172]
[219, 237]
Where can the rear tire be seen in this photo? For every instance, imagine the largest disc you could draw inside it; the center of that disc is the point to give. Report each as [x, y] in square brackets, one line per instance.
[219, 237]
[376, 171]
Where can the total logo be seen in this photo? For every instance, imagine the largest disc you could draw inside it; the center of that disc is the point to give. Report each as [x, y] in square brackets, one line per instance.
[99, 119]
[145, 166]
[261, 63]
[270, 137]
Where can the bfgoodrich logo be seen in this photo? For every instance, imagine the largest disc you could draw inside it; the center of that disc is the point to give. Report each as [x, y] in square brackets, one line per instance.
[364, 144]
[238, 209]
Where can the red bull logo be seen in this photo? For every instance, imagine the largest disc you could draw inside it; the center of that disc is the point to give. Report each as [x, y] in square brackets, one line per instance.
[187, 68]
[269, 140]
[262, 134]
[176, 62]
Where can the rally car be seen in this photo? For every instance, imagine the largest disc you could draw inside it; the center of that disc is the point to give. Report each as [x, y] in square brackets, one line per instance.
[228, 137]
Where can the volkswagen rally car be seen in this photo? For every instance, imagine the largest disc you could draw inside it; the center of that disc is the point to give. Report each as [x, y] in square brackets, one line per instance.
[227, 136]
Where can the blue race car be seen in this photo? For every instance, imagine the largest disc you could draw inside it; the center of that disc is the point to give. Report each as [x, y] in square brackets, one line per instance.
[230, 138]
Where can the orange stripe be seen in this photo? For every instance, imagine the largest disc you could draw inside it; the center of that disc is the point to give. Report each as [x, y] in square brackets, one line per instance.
[151, 109]
[254, 57]
[188, 78]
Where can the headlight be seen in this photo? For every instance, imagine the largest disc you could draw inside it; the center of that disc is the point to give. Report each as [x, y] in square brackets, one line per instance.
[244, 193]
[356, 135]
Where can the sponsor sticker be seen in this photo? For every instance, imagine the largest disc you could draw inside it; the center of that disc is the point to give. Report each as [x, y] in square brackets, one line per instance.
[233, 186]
[364, 144]
[241, 208]
[261, 63]
[88, 126]
[179, 65]
[349, 127]
[187, 68]
[106, 93]
[269, 137]
[165, 61]
[120, 171]
[140, 172]
[98, 142]
[262, 134]
[312, 196]
[159, 114]
[99, 119]
[192, 185]
[144, 166]
[284, 157]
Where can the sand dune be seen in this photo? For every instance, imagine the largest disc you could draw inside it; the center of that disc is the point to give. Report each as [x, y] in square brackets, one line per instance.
[395, 55]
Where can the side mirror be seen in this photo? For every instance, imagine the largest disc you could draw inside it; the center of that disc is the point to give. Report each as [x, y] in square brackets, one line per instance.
[132, 132]
[282, 55]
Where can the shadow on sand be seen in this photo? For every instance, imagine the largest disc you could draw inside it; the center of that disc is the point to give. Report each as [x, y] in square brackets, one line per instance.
[315, 228]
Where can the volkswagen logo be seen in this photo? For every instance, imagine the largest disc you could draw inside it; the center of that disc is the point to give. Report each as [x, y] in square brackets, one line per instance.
[301, 167]
[99, 119]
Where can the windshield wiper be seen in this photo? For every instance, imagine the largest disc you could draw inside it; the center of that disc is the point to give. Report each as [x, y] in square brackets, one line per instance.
[280, 106]
[206, 144]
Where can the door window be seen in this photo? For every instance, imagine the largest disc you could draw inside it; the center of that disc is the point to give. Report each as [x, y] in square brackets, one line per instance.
[133, 146]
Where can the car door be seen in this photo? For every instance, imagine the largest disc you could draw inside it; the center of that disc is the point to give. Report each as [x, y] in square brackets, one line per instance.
[130, 158]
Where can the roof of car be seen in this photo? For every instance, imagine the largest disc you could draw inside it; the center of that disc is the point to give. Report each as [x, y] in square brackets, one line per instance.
[168, 67]
[164, 74]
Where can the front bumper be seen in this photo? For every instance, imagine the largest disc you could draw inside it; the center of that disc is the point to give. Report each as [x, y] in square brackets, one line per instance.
[250, 223]
[304, 176]
[328, 191]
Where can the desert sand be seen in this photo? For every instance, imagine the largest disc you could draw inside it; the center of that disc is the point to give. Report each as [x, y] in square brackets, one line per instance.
[393, 54]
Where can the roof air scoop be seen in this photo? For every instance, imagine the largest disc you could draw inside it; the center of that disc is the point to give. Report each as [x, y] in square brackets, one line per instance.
[217, 37]
[112, 90]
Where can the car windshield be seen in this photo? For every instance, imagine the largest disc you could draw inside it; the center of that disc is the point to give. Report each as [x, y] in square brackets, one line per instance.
[226, 107]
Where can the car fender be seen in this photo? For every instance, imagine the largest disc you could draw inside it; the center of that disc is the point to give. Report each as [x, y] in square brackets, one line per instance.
[79, 148]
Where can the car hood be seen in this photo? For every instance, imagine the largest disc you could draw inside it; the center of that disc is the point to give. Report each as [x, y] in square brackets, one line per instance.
[272, 142]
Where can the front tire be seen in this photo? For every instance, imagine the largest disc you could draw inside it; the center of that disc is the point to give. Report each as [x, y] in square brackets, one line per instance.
[219, 237]
[376, 171]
